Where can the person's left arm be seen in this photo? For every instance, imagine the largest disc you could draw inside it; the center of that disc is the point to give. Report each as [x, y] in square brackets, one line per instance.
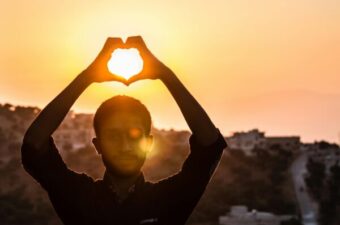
[197, 119]
[206, 142]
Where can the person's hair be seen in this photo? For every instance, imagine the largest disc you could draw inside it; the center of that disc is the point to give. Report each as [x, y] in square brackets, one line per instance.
[122, 103]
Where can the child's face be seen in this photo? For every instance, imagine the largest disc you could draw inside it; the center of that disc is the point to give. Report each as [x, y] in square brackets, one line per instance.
[123, 143]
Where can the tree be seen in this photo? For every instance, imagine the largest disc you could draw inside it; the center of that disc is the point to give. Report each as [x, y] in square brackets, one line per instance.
[316, 177]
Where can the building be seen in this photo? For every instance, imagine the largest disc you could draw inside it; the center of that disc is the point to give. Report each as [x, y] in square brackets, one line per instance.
[291, 143]
[247, 141]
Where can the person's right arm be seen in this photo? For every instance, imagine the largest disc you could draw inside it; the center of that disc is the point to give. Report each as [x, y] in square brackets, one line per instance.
[52, 115]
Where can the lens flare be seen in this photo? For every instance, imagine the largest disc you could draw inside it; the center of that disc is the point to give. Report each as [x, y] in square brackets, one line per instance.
[135, 133]
[125, 62]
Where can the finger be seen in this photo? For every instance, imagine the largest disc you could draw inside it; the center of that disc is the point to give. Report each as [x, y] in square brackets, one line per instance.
[114, 43]
[119, 79]
[133, 79]
[135, 41]
[110, 45]
[138, 43]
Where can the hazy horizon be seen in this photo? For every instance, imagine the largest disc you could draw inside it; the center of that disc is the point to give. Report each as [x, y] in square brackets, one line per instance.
[254, 121]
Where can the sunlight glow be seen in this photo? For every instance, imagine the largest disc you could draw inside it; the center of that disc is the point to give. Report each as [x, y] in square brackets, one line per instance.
[125, 62]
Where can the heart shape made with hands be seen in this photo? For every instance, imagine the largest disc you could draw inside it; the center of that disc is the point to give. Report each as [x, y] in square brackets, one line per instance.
[125, 62]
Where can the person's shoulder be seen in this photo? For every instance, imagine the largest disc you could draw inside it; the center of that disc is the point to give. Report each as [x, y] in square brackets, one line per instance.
[40, 159]
[71, 182]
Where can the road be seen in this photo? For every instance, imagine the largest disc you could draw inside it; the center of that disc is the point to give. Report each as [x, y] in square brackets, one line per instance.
[308, 207]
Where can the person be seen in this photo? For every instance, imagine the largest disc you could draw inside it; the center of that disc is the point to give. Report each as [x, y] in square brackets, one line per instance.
[122, 128]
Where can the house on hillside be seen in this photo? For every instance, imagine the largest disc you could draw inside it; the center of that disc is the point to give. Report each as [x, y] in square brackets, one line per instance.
[247, 141]
[289, 143]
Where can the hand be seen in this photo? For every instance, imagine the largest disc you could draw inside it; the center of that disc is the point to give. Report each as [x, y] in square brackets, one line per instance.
[98, 71]
[152, 68]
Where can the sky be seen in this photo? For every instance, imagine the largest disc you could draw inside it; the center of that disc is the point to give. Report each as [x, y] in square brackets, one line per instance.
[272, 65]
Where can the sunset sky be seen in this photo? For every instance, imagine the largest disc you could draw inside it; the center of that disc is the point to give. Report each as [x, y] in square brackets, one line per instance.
[272, 65]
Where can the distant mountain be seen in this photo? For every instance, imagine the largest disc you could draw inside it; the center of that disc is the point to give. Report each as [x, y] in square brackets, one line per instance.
[314, 116]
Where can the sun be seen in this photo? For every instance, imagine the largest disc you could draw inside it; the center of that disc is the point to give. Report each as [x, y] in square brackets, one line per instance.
[125, 62]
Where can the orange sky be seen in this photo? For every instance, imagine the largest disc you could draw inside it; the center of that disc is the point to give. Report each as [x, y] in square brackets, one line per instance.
[273, 65]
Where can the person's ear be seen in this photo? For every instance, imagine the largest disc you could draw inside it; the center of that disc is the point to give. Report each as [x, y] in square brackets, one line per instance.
[96, 144]
[149, 141]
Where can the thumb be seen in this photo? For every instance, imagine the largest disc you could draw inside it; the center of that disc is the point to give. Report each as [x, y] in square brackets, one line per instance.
[121, 79]
[114, 77]
[133, 79]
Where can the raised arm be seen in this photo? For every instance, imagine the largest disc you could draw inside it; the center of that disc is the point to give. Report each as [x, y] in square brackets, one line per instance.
[195, 116]
[53, 114]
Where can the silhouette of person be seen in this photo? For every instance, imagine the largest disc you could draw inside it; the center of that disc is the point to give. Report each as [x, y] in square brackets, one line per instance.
[122, 127]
